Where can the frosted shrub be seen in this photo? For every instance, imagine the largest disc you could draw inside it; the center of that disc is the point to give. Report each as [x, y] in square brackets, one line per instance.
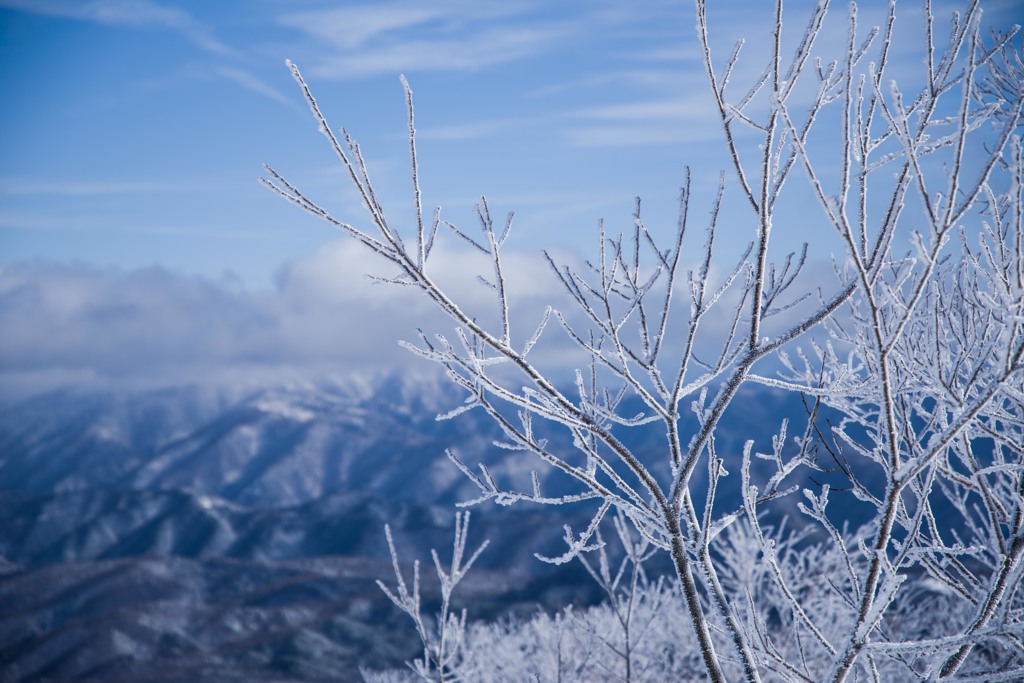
[590, 645]
[917, 342]
[577, 644]
[443, 641]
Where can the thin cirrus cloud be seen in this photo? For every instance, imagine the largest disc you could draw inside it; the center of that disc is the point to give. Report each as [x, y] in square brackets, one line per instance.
[82, 188]
[353, 27]
[490, 47]
[398, 37]
[650, 122]
[127, 13]
[648, 78]
[143, 13]
[251, 82]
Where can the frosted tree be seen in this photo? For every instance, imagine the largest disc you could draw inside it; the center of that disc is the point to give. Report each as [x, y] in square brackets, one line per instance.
[443, 659]
[917, 343]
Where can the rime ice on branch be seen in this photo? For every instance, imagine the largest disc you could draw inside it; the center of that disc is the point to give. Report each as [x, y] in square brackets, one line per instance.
[918, 347]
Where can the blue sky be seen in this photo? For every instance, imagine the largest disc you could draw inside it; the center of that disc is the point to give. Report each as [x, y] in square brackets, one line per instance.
[134, 130]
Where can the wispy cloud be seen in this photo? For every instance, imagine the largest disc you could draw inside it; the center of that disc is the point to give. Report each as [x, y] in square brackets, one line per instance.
[101, 228]
[677, 108]
[469, 53]
[649, 122]
[147, 13]
[33, 220]
[354, 26]
[632, 135]
[644, 122]
[387, 38]
[126, 13]
[646, 78]
[83, 188]
[475, 130]
[255, 84]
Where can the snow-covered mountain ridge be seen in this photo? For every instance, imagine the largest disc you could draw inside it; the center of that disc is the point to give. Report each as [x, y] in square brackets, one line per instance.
[243, 525]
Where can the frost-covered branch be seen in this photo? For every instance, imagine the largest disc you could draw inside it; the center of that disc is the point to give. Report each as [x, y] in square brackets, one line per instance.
[901, 495]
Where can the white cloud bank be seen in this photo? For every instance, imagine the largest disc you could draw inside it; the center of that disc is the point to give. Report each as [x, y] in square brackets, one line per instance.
[79, 325]
[72, 323]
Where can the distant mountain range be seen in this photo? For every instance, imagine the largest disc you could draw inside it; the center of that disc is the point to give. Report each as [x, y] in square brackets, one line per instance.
[235, 533]
[265, 446]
